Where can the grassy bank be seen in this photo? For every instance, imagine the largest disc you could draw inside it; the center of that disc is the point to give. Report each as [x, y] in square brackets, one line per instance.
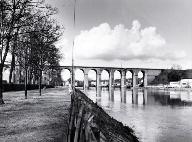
[38, 118]
[110, 130]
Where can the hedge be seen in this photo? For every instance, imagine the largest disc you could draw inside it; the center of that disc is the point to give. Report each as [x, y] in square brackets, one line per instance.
[21, 87]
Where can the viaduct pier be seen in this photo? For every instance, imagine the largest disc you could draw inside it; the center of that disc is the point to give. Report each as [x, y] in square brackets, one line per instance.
[148, 75]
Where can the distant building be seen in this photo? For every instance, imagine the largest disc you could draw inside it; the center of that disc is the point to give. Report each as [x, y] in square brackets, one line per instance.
[174, 84]
[183, 83]
[186, 83]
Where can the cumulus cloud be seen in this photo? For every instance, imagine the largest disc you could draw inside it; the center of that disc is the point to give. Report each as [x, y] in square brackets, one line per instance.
[106, 43]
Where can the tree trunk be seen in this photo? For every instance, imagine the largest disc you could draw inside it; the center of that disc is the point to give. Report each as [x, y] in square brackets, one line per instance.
[13, 57]
[12, 66]
[1, 85]
[40, 79]
[25, 83]
[30, 76]
[20, 76]
[1, 68]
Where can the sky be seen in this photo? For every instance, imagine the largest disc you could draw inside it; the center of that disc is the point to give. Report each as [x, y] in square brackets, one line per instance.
[126, 33]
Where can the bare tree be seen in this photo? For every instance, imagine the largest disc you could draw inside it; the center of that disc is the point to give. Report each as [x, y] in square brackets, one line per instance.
[42, 52]
[11, 13]
[46, 55]
[17, 16]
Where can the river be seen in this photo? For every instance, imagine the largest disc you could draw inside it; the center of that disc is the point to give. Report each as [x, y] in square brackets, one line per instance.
[154, 115]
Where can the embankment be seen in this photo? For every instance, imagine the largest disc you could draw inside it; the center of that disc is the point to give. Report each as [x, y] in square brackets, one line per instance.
[89, 122]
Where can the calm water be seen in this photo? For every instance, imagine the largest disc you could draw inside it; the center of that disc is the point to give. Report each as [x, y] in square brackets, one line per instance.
[156, 116]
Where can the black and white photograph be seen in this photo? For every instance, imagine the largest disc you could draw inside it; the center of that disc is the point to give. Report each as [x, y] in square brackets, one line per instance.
[95, 71]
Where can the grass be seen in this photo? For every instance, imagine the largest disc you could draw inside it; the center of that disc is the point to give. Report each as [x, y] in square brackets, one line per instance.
[36, 119]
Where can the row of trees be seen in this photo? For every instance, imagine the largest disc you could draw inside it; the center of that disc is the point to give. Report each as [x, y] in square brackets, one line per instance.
[28, 34]
[168, 75]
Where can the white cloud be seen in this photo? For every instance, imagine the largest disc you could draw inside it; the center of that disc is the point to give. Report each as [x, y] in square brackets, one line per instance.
[105, 43]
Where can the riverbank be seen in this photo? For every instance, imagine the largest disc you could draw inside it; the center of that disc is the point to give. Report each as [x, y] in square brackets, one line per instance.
[169, 89]
[38, 118]
[98, 125]
[45, 118]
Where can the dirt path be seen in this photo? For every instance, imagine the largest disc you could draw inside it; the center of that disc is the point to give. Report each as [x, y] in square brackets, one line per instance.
[39, 118]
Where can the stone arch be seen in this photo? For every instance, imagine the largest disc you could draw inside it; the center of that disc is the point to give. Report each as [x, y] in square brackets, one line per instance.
[117, 78]
[66, 76]
[65, 68]
[129, 78]
[79, 77]
[105, 78]
[92, 77]
[140, 78]
[107, 70]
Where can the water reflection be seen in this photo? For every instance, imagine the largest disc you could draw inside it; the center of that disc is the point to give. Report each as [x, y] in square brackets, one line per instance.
[155, 115]
[173, 98]
[150, 97]
[146, 97]
[123, 95]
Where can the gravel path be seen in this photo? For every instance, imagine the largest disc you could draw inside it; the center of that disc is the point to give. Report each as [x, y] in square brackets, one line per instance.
[36, 119]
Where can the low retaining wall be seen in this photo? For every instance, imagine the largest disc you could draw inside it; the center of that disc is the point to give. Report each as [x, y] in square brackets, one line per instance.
[89, 122]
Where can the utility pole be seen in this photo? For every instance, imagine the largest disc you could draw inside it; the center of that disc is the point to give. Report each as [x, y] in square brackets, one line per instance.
[73, 77]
